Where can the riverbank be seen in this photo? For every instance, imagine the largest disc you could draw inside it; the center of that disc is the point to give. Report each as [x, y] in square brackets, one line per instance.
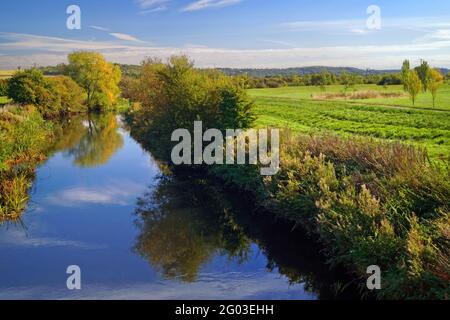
[25, 136]
[367, 203]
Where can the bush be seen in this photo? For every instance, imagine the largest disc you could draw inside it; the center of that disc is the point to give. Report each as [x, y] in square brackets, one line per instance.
[52, 96]
[30, 87]
[370, 203]
[175, 94]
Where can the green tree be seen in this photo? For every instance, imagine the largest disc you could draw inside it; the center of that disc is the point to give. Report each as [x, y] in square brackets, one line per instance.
[406, 67]
[413, 85]
[422, 71]
[99, 78]
[435, 80]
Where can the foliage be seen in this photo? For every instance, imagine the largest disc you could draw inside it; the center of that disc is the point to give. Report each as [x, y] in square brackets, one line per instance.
[25, 136]
[422, 72]
[71, 96]
[173, 95]
[370, 203]
[99, 78]
[52, 96]
[3, 87]
[30, 87]
[413, 85]
[435, 81]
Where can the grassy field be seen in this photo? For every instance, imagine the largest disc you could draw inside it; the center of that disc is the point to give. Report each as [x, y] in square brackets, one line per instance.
[294, 108]
[6, 73]
[305, 93]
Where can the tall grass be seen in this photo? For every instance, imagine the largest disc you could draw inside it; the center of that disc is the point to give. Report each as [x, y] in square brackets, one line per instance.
[24, 135]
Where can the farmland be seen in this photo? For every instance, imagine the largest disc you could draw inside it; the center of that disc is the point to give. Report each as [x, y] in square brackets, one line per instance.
[387, 119]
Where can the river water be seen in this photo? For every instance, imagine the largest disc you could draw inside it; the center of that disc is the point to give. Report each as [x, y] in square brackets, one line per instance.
[100, 202]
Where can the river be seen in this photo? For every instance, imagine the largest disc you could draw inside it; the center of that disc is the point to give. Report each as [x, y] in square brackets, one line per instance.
[101, 202]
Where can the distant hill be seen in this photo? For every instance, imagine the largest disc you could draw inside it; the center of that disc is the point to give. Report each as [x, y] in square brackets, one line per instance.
[308, 70]
[133, 70]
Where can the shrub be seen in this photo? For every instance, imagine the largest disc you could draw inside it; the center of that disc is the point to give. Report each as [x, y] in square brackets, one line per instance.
[30, 87]
[3, 87]
[52, 96]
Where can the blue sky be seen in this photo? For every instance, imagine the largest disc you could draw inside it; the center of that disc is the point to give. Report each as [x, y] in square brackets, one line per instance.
[229, 33]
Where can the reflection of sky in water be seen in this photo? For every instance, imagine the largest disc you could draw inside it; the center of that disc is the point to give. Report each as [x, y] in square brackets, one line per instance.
[84, 216]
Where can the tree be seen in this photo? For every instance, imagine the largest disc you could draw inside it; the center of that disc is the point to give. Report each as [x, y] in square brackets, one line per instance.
[99, 78]
[405, 71]
[422, 72]
[348, 80]
[435, 80]
[413, 85]
[71, 96]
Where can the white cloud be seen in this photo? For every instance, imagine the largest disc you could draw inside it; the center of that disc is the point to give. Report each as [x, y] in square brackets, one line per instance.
[111, 194]
[125, 37]
[204, 4]
[44, 50]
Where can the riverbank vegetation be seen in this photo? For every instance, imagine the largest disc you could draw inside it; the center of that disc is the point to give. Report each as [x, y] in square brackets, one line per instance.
[28, 125]
[25, 136]
[368, 201]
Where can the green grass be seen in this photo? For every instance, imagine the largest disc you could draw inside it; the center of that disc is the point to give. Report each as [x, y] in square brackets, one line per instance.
[424, 100]
[290, 107]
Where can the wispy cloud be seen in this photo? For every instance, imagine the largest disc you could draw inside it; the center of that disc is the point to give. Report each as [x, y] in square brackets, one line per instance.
[154, 10]
[145, 4]
[99, 28]
[44, 50]
[125, 37]
[152, 6]
[204, 4]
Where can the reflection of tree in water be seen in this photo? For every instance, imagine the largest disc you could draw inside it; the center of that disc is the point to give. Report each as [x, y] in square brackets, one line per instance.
[91, 141]
[183, 224]
[181, 231]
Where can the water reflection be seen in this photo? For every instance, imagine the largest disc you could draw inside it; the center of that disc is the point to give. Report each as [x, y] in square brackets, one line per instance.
[90, 141]
[180, 232]
[184, 224]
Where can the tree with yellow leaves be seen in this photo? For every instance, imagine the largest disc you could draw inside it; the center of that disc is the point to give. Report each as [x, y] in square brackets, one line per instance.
[413, 85]
[98, 77]
[435, 80]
